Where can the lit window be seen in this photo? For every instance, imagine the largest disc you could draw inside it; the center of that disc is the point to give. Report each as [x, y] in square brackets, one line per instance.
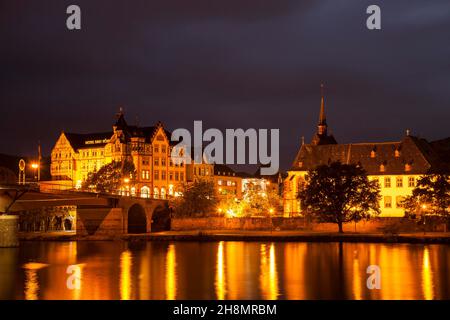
[387, 182]
[163, 175]
[388, 202]
[399, 182]
[219, 182]
[411, 182]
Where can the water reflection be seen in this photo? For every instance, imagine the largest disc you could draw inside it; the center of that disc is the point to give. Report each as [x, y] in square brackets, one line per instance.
[125, 275]
[268, 277]
[171, 273]
[427, 276]
[223, 270]
[220, 273]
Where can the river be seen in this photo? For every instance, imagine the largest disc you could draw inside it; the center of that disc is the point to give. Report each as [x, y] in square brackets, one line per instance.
[222, 270]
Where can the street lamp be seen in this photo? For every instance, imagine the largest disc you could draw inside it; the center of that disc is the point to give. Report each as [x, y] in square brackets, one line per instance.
[35, 167]
[424, 207]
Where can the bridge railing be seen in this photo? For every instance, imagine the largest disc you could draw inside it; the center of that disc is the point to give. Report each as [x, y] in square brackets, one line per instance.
[49, 187]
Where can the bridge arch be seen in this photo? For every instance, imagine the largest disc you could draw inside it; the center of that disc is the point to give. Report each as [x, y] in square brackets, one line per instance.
[137, 220]
[161, 219]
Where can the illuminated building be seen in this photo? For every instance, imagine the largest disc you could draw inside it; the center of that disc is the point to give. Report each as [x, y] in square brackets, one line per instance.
[75, 156]
[395, 165]
[227, 181]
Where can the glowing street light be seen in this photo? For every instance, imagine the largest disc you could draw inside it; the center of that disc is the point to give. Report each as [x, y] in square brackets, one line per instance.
[34, 166]
[126, 180]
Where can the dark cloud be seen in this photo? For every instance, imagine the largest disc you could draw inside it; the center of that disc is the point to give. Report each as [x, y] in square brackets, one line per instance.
[230, 63]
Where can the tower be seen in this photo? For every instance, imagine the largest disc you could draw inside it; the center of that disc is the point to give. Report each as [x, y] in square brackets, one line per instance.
[321, 137]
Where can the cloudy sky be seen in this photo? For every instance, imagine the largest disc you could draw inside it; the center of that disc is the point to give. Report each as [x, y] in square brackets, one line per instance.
[230, 63]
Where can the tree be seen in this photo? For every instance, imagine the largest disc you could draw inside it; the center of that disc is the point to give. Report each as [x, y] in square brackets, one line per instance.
[111, 176]
[431, 196]
[199, 198]
[340, 193]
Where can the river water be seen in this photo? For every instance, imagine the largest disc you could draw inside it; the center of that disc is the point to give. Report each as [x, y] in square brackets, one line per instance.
[222, 270]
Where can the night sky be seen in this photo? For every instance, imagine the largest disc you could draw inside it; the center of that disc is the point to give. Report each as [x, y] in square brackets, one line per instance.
[230, 63]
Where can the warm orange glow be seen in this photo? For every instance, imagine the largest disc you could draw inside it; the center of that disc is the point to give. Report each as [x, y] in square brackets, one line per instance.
[220, 273]
[125, 275]
[427, 276]
[424, 206]
[126, 180]
[171, 273]
[269, 276]
[35, 165]
[31, 280]
[271, 210]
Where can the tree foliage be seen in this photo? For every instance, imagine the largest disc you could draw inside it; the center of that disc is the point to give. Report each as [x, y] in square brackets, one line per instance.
[110, 177]
[431, 196]
[340, 193]
[198, 199]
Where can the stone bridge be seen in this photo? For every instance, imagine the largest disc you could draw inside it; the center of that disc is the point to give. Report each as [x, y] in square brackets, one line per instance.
[97, 214]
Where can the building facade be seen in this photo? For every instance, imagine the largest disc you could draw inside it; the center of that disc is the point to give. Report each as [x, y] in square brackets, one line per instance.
[158, 175]
[395, 165]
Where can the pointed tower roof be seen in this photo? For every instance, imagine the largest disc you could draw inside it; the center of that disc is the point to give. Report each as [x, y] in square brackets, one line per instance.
[322, 117]
[120, 122]
[322, 137]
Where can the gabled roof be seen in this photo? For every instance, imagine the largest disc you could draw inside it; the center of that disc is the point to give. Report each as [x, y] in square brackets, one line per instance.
[413, 152]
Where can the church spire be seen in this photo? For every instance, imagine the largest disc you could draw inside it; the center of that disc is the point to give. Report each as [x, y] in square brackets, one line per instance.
[322, 127]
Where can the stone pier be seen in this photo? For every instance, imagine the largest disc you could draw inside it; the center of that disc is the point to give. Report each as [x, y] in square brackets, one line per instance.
[8, 231]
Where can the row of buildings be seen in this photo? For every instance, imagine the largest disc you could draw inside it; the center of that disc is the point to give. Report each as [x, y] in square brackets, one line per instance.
[395, 165]
[158, 175]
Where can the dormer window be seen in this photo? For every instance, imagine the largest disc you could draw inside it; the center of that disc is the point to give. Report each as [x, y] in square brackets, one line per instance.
[382, 167]
[408, 167]
[300, 164]
[397, 153]
[373, 153]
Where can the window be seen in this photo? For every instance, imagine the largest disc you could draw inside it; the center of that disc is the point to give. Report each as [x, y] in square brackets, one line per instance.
[176, 176]
[156, 149]
[156, 175]
[170, 175]
[145, 174]
[163, 162]
[399, 182]
[156, 161]
[387, 182]
[399, 201]
[181, 176]
[388, 202]
[219, 182]
[163, 149]
[228, 183]
[411, 182]
[163, 175]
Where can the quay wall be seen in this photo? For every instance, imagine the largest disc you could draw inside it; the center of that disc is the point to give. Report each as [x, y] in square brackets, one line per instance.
[387, 225]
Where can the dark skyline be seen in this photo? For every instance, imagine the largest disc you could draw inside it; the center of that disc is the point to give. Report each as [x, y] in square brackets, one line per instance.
[232, 64]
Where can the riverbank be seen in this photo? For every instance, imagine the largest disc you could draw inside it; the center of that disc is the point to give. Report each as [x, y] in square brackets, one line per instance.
[233, 235]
